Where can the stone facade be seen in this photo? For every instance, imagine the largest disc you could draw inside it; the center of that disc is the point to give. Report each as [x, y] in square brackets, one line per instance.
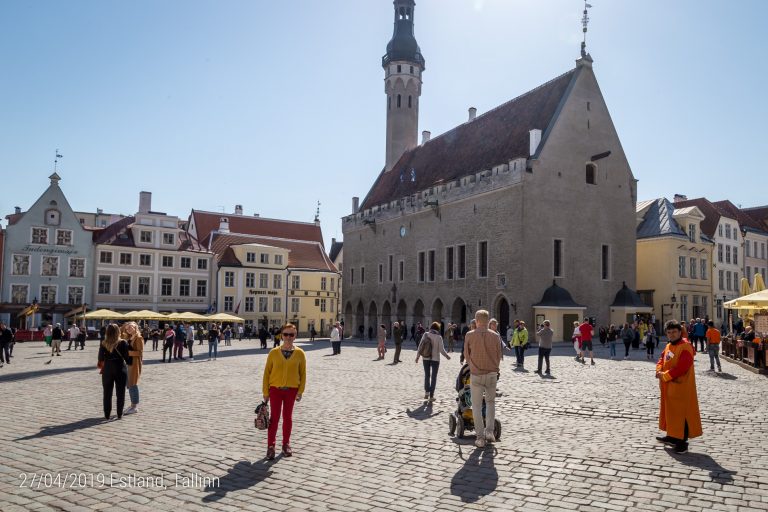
[573, 193]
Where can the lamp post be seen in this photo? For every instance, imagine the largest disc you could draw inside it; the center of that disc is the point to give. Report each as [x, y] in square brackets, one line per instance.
[671, 305]
[34, 312]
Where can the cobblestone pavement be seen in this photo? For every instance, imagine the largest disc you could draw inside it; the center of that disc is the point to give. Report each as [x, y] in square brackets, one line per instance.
[363, 439]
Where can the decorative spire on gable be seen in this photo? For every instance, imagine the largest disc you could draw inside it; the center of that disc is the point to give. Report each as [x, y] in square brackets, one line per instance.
[55, 178]
[584, 23]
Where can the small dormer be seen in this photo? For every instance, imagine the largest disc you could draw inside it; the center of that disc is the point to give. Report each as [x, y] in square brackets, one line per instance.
[690, 219]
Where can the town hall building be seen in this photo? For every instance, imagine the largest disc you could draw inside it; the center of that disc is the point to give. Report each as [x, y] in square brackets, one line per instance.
[527, 210]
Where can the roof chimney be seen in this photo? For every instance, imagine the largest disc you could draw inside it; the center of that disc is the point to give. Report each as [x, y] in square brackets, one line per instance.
[145, 202]
[425, 136]
[355, 204]
[680, 197]
[223, 225]
[472, 113]
[535, 139]
[238, 209]
[256, 215]
[17, 209]
[333, 241]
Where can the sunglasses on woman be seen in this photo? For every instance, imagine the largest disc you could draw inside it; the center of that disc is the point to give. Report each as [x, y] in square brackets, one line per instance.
[289, 335]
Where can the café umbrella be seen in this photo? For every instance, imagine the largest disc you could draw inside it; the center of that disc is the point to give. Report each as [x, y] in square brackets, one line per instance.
[753, 301]
[103, 314]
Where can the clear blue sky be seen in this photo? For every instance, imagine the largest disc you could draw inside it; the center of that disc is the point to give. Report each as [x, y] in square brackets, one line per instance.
[275, 105]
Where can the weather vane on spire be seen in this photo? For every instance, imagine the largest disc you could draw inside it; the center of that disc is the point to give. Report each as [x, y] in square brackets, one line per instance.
[56, 160]
[584, 23]
[317, 212]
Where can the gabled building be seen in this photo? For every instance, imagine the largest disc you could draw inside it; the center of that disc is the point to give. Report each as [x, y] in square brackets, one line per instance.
[674, 261]
[48, 261]
[723, 228]
[488, 214]
[754, 236]
[336, 255]
[146, 261]
[269, 271]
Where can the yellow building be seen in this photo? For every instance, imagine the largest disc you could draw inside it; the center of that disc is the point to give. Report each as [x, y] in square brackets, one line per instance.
[270, 281]
[674, 261]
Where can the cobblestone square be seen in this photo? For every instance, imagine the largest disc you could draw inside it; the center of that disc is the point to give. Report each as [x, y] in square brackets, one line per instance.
[363, 438]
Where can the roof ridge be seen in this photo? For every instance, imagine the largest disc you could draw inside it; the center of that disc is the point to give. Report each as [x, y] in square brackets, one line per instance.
[494, 109]
[254, 217]
[295, 240]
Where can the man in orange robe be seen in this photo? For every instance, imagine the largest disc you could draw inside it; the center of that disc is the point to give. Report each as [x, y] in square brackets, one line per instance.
[679, 414]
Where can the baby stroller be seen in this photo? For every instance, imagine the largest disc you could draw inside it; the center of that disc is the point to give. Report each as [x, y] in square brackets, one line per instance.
[461, 419]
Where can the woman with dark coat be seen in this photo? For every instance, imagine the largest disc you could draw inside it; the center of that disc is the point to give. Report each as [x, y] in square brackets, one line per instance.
[113, 357]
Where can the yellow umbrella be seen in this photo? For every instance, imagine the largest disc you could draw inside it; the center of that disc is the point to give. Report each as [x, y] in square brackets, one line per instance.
[187, 316]
[144, 314]
[759, 284]
[224, 317]
[103, 314]
[744, 290]
[757, 300]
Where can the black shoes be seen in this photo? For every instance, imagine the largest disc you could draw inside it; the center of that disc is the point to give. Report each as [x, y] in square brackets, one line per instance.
[666, 440]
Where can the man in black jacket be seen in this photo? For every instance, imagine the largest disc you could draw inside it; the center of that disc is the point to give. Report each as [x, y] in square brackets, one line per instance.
[56, 338]
[6, 339]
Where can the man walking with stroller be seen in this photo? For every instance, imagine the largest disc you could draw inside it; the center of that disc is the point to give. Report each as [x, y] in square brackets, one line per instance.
[482, 352]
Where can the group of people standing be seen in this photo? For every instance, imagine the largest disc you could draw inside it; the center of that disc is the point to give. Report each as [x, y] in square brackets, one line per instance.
[120, 362]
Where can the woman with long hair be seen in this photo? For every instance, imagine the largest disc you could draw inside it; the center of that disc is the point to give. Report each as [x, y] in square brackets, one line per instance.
[136, 350]
[113, 357]
[285, 376]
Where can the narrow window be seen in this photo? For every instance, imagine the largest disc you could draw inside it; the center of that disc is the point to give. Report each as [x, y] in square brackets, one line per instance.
[398, 101]
[557, 259]
[381, 273]
[401, 270]
[692, 232]
[399, 68]
[431, 265]
[693, 268]
[351, 276]
[681, 266]
[420, 267]
[588, 106]
[605, 263]
[482, 259]
[591, 174]
[449, 263]
[390, 268]
[362, 275]
[410, 104]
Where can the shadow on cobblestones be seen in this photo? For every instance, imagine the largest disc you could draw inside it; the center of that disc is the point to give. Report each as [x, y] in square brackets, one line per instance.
[242, 475]
[423, 412]
[57, 430]
[703, 461]
[43, 373]
[477, 477]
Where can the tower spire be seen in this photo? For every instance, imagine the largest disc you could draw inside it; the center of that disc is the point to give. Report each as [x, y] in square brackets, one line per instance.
[584, 23]
[403, 65]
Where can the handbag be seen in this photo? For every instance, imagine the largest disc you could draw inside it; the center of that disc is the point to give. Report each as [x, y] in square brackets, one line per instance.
[262, 416]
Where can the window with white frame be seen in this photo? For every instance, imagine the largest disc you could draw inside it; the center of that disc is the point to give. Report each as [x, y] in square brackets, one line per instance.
[684, 307]
[169, 238]
[49, 266]
[264, 258]
[185, 262]
[185, 286]
[126, 258]
[76, 267]
[278, 259]
[105, 285]
[692, 232]
[277, 281]
[735, 255]
[728, 281]
[693, 268]
[20, 265]
[20, 293]
[721, 279]
[703, 268]
[145, 237]
[263, 304]
[202, 287]
[720, 253]
[263, 280]
[277, 304]
[105, 257]
[727, 253]
[63, 237]
[250, 257]
[250, 304]
[681, 266]
[323, 305]
[143, 285]
[294, 305]
[48, 294]
[250, 279]
[229, 303]
[39, 236]
[229, 279]
[295, 282]
[75, 295]
[124, 285]
[202, 264]
[167, 261]
[166, 287]
[323, 283]
[145, 260]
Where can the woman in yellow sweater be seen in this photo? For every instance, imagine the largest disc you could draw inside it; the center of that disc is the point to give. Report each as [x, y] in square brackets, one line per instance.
[285, 375]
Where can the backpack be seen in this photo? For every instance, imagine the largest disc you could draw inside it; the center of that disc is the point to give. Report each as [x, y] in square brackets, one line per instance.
[425, 348]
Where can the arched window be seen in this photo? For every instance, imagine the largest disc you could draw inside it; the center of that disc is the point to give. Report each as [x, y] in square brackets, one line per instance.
[409, 101]
[398, 101]
[399, 68]
[592, 174]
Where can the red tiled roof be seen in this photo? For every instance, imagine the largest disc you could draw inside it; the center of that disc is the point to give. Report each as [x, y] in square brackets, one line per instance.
[119, 234]
[758, 213]
[731, 210]
[303, 254]
[711, 214]
[491, 139]
[208, 222]
[13, 218]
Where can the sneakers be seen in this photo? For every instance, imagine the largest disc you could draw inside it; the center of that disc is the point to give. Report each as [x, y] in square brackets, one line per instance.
[480, 441]
[719, 370]
[626, 357]
[426, 396]
[131, 410]
[489, 437]
[431, 399]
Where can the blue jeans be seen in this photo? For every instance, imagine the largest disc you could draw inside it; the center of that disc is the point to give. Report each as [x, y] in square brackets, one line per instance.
[213, 347]
[133, 392]
[430, 381]
[612, 346]
[714, 355]
[519, 355]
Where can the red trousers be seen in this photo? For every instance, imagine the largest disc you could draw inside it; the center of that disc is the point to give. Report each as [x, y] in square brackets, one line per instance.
[281, 399]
